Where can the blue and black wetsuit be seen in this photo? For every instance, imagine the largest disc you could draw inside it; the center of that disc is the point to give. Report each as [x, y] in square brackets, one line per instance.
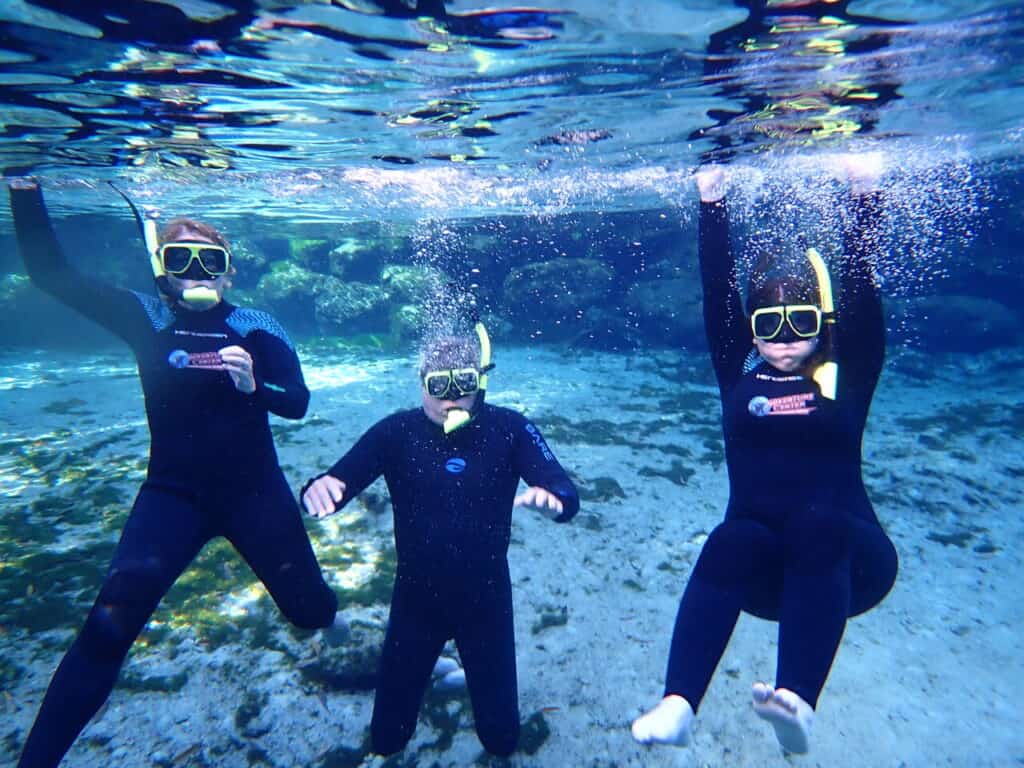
[213, 471]
[452, 497]
[800, 543]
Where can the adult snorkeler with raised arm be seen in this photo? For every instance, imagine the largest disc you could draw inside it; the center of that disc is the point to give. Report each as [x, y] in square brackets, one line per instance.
[452, 467]
[800, 543]
[211, 373]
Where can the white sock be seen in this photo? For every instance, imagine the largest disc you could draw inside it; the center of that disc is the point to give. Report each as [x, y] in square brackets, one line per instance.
[668, 723]
[790, 716]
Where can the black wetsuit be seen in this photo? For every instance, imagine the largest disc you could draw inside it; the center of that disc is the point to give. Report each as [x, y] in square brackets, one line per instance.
[452, 498]
[213, 471]
[800, 543]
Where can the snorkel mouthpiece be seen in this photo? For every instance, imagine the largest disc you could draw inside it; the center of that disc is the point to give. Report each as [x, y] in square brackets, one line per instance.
[455, 418]
[200, 297]
[460, 417]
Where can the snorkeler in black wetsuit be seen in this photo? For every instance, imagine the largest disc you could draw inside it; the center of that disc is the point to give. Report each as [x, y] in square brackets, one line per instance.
[452, 468]
[210, 375]
[800, 543]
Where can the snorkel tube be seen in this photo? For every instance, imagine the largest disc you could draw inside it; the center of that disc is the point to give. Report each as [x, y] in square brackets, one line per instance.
[826, 374]
[460, 417]
[199, 297]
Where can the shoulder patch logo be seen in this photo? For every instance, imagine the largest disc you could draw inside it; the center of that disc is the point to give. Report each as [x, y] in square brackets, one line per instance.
[455, 466]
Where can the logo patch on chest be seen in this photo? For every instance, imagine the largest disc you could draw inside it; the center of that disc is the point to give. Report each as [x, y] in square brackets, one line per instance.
[789, 405]
[455, 466]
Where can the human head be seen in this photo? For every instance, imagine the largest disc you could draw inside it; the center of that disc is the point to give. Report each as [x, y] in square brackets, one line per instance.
[774, 282]
[185, 230]
[445, 354]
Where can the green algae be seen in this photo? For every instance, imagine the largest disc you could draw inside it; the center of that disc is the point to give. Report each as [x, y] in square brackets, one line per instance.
[138, 683]
[960, 538]
[42, 590]
[10, 673]
[534, 733]
[955, 423]
[442, 717]
[551, 616]
[676, 473]
[252, 706]
[257, 756]
[344, 757]
[599, 489]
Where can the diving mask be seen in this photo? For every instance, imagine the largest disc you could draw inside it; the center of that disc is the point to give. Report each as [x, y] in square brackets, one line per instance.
[451, 384]
[195, 261]
[786, 322]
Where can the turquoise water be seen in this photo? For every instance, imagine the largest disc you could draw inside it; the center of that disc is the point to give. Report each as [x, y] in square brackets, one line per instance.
[373, 173]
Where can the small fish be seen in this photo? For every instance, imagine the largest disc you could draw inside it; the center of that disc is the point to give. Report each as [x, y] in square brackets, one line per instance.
[550, 709]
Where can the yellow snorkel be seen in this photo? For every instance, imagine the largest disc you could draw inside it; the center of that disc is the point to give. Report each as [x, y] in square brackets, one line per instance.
[199, 297]
[826, 374]
[460, 417]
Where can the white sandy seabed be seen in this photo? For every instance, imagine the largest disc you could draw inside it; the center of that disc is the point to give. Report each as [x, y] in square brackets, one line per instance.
[932, 677]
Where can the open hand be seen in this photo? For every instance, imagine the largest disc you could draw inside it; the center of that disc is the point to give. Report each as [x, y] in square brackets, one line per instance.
[863, 170]
[22, 182]
[323, 496]
[710, 183]
[538, 498]
[238, 364]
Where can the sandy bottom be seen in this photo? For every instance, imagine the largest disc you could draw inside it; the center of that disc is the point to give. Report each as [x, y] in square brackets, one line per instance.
[929, 678]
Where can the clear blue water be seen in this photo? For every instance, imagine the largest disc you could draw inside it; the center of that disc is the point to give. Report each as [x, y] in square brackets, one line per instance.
[334, 142]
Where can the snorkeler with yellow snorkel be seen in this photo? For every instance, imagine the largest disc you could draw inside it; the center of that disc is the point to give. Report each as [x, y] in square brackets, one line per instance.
[452, 467]
[211, 374]
[800, 544]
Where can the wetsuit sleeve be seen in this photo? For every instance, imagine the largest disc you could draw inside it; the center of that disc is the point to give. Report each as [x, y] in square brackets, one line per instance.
[537, 465]
[725, 324]
[115, 309]
[364, 461]
[861, 324]
[280, 387]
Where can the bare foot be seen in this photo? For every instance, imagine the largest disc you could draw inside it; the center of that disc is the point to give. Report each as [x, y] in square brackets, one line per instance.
[790, 716]
[668, 723]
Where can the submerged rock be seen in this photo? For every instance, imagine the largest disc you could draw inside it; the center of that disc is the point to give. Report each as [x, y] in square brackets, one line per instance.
[347, 307]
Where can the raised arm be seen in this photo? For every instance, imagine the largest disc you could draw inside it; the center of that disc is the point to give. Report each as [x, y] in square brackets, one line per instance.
[548, 482]
[861, 323]
[116, 310]
[327, 493]
[725, 324]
